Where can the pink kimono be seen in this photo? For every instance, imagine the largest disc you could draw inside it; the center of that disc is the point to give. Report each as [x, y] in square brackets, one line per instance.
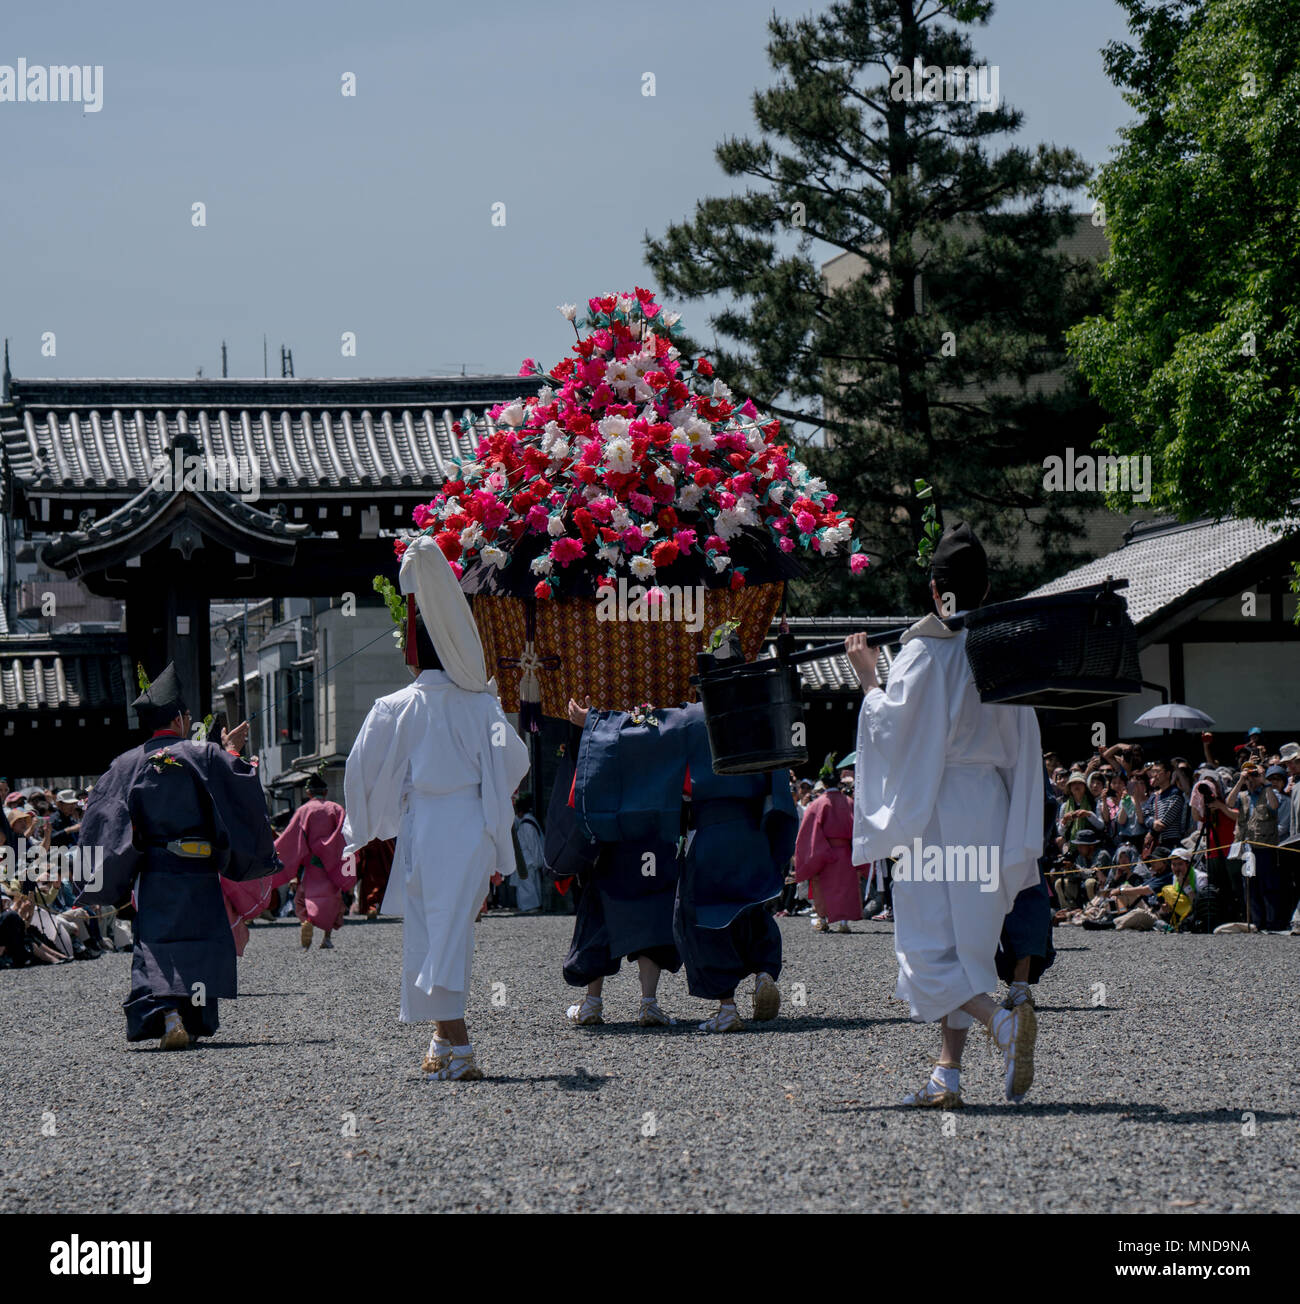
[314, 843]
[823, 856]
[247, 900]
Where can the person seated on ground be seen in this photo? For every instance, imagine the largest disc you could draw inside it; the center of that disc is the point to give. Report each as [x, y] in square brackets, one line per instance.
[1078, 810]
[1091, 863]
[22, 942]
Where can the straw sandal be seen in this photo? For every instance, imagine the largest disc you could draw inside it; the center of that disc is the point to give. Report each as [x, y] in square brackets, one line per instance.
[586, 1014]
[1013, 1033]
[767, 997]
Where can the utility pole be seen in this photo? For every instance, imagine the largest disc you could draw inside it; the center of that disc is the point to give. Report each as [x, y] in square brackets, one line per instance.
[265, 372]
[224, 372]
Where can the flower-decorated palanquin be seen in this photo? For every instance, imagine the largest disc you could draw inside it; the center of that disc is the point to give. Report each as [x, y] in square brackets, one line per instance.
[628, 504]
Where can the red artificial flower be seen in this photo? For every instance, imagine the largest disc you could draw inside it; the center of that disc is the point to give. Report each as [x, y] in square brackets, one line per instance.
[737, 580]
[665, 553]
[449, 544]
[667, 519]
[399, 547]
[704, 366]
[705, 477]
[586, 525]
[542, 590]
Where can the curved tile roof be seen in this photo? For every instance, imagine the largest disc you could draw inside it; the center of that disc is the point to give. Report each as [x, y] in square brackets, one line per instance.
[305, 436]
[1166, 562]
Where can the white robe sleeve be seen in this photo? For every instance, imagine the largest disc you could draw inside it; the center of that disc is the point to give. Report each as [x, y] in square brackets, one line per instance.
[372, 779]
[504, 762]
[902, 738]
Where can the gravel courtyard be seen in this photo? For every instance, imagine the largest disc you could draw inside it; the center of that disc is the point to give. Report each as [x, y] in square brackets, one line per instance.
[1167, 1081]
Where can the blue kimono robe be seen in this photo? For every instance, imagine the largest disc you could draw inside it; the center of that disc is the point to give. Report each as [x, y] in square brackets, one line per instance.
[741, 834]
[1027, 930]
[184, 952]
[626, 868]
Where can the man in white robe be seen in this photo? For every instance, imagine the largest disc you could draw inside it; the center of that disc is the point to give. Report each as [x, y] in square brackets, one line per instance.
[952, 790]
[436, 765]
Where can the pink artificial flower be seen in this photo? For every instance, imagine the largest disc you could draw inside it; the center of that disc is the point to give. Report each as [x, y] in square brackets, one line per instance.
[714, 543]
[858, 562]
[747, 408]
[422, 516]
[604, 340]
[806, 522]
[456, 569]
[642, 503]
[681, 452]
[537, 518]
[780, 523]
[685, 539]
[566, 549]
[633, 540]
[785, 544]
[743, 483]
[727, 500]
[654, 596]
[528, 367]
[602, 508]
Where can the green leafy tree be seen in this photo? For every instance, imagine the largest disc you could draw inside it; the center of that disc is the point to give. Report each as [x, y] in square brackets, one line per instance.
[1196, 358]
[925, 363]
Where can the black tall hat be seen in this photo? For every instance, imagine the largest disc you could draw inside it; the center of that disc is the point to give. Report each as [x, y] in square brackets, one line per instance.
[161, 702]
[959, 560]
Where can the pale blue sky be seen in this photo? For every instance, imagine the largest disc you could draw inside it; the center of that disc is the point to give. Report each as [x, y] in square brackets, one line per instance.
[328, 214]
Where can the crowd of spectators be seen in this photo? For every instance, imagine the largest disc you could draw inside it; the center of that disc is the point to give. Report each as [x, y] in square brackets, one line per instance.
[39, 920]
[1161, 843]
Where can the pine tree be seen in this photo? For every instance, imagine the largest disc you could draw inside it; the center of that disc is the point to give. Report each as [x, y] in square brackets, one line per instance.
[925, 364]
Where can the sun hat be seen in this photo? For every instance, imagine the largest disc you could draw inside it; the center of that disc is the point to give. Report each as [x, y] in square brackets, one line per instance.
[1076, 776]
[1289, 751]
[66, 795]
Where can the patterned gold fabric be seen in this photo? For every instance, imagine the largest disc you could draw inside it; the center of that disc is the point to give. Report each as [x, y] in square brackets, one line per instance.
[619, 664]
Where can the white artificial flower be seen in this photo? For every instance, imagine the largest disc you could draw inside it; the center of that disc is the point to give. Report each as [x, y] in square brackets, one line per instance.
[727, 523]
[777, 494]
[688, 497]
[665, 475]
[494, 556]
[546, 396]
[720, 562]
[609, 553]
[648, 528]
[720, 391]
[568, 311]
[798, 473]
[541, 565]
[470, 537]
[747, 509]
[618, 453]
[613, 427]
[626, 303]
[555, 525]
[670, 319]
[620, 517]
[754, 439]
[814, 486]
[642, 566]
[681, 416]
[512, 416]
[618, 376]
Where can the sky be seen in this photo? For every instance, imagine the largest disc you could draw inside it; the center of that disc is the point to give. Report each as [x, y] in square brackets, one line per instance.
[373, 214]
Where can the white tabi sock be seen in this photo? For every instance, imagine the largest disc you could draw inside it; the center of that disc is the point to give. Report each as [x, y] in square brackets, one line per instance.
[463, 1052]
[1018, 993]
[950, 1079]
[438, 1046]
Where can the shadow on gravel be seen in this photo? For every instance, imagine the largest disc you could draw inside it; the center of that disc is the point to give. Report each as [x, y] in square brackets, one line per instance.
[1138, 1113]
[690, 1027]
[224, 1045]
[580, 1080]
[1078, 1009]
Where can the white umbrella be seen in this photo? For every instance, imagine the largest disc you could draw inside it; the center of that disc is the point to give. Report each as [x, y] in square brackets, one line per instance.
[1173, 715]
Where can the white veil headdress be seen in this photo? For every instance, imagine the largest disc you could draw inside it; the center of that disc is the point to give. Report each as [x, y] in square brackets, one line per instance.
[427, 573]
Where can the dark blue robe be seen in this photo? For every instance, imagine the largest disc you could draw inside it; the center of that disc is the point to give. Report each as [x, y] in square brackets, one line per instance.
[1027, 930]
[184, 953]
[629, 793]
[627, 874]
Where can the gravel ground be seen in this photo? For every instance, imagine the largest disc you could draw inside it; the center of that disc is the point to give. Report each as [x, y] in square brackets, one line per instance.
[310, 1097]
